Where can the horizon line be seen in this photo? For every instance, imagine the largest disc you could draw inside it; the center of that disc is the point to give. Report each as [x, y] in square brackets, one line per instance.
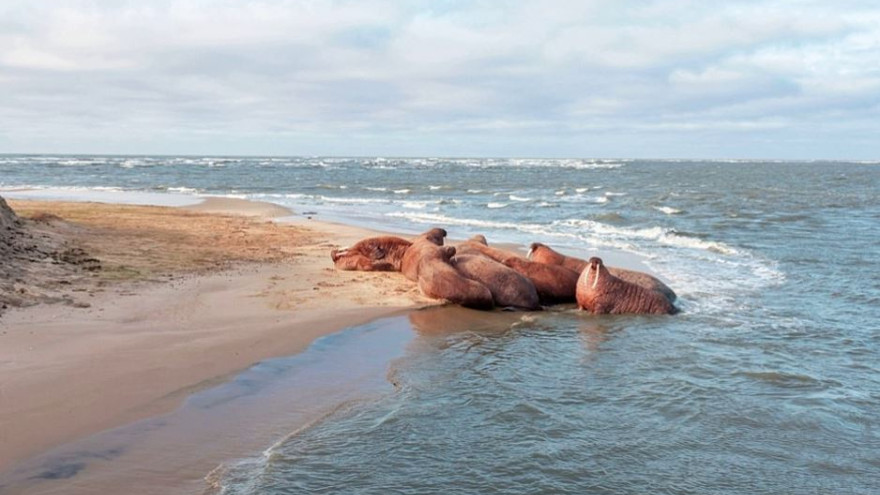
[452, 157]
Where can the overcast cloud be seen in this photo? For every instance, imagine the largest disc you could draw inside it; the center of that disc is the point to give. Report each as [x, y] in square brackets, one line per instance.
[591, 78]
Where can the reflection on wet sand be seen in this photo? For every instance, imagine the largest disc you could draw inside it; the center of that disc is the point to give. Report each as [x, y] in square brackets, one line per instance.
[448, 320]
[440, 321]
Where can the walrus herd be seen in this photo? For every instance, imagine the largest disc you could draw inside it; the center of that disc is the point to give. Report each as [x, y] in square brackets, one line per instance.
[476, 275]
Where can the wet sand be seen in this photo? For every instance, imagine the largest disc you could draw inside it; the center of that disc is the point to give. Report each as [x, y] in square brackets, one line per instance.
[183, 297]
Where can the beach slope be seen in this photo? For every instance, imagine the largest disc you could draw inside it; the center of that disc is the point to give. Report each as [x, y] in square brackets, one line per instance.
[176, 300]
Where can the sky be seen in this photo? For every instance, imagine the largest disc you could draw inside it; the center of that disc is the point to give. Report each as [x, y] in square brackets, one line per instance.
[775, 79]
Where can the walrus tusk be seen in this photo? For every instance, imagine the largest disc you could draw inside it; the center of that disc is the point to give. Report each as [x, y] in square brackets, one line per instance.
[529, 254]
[338, 253]
[596, 281]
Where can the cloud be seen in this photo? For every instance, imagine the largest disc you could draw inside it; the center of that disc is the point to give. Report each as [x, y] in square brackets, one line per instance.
[587, 78]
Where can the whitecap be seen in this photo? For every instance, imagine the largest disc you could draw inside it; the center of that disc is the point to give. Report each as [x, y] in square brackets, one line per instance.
[496, 205]
[440, 219]
[659, 234]
[76, 162]
[185, 190]
[329, 199]
[514, 197]
[668, 210]
[132, 164]
[401, 191]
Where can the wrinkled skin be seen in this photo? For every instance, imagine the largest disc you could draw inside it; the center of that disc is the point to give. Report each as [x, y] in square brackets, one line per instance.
[440, 280]
[478, 245]
[600, 292]
[380, 254]
[508, 288]
[542, 253]
[555, 283]
[421, 245]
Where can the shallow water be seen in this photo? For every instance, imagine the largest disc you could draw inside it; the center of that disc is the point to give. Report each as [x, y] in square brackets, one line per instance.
[767, 382]
[567, 403]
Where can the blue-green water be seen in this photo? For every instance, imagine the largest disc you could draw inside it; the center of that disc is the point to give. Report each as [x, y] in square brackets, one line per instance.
[767, 382]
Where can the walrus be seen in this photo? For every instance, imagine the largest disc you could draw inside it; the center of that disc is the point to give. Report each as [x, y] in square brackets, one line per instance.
[600, 292]
[554, 283]
[372, 254]
[384, 253]
[541, 253]
[440, 280]
[508, 288]
[478, 245]
[410, 262]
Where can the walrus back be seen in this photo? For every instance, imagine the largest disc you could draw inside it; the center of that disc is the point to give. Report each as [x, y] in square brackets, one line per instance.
[509, 288]
[554, 283]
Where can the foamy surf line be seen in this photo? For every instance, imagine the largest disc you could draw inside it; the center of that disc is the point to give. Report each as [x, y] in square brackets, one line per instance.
[109, 194]
[185, 198]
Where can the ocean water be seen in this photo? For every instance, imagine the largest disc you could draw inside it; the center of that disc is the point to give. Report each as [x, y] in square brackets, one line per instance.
[767, 382]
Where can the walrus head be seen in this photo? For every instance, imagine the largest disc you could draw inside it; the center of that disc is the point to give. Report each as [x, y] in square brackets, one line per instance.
[532, 248]
[447, 252]
[435, 235]
[480, 239]
[594, 269]
[337, 253]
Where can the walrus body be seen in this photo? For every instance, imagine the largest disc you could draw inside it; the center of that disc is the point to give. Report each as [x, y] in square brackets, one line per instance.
[422, 244]
[478, 245]
[554, 283]
[600, 292]
[508, 288]
[542, 253]
[372, 254]
[439, 279]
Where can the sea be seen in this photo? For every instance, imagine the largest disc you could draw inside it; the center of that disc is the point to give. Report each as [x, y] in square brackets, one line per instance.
[767, 381]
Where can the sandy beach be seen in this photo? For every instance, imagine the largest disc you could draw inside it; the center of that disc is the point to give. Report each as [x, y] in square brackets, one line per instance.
[183, 297]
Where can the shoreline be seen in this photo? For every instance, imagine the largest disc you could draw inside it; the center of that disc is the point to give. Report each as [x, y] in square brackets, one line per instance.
[173, 328]
[166, 335]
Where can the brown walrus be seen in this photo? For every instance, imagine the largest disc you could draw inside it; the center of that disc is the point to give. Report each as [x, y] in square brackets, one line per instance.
[410, 262]
[384, 253]
[508, 288]
[372, 254]
[542, 253]
[600, 292]
[554, 283]
[478, 245]
[440, 280]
